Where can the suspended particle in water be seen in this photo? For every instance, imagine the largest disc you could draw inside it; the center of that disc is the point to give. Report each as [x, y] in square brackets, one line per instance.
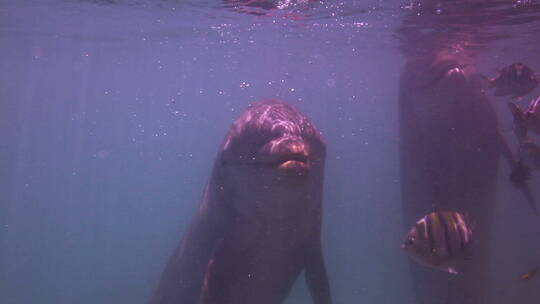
[331, 82]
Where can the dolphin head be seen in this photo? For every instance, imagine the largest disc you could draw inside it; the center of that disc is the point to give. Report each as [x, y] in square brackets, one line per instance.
[273, 158]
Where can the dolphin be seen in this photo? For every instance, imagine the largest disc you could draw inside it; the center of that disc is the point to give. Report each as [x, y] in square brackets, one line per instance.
[259, 222]
[265, 7]
[450, 149]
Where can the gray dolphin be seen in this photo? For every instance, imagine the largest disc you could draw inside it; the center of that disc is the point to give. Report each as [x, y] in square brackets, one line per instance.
[259, 222]
[450, 150]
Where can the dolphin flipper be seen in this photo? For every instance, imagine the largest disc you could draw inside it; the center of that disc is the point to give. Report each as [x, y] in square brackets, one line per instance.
[183, 277]
[315, 272]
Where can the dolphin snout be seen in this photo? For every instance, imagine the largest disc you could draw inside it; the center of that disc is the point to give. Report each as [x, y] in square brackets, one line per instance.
[290, 154]
[291, 148]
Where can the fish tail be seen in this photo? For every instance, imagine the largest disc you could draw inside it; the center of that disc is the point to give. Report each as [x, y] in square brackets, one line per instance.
[519, 121]
[530, 198]
[517, 112]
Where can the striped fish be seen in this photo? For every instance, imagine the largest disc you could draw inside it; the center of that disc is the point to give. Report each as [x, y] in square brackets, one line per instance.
[515, 80]
[525, 121]
[440, 240]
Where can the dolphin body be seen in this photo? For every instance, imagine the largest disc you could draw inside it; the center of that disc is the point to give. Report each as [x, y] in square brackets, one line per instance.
[259, 222]
[450, 149]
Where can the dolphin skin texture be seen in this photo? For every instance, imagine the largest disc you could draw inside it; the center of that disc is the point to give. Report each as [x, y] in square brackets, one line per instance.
[450, 149]
[259, 222]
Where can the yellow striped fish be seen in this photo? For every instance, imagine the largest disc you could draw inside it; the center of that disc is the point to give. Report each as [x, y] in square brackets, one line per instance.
[440, 240]
[515, 80]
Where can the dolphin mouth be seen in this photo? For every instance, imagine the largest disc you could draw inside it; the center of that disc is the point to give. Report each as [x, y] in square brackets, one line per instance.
[302, 158]
[293, 164]
[297, 163]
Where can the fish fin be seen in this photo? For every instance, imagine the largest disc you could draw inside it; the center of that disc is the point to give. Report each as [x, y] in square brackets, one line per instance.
[469, 221]
[530, 198]
[532, 105]
[517, 112]
[519, 121]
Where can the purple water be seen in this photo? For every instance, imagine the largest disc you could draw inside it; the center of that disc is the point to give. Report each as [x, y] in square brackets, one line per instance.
[111, 113]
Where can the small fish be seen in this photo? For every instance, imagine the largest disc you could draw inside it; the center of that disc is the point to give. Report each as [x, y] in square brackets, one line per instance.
[440, 240]
[529, 274]
[528, 120]
[515, 80]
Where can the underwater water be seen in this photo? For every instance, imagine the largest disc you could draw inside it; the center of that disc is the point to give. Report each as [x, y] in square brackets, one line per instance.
[112, 113]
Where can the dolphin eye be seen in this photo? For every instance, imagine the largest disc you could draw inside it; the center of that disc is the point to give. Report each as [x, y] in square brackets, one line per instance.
[409, 242]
